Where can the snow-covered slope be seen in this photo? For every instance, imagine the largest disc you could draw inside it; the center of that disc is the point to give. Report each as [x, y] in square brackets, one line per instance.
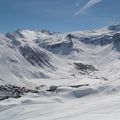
[21, 60]
[83, 68]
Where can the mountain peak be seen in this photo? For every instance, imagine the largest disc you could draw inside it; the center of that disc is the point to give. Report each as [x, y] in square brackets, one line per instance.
[114, 27]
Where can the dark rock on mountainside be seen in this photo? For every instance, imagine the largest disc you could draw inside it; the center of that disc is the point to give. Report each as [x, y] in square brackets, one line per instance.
[70, 36]
[35, 56]
[99, 40]
[63, 48]
[77, 86]
[52, 88]
[94, 40]
[15, 34]
[85, 68]
[114, 27]
[12, 91]
[116, 38]
[47, 32]
[13, 39]
[116, 41]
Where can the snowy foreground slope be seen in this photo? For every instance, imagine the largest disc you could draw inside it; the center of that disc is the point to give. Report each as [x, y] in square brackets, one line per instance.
[76, 74]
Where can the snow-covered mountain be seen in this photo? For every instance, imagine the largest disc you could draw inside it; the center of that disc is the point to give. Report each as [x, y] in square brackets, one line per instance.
[82, 64]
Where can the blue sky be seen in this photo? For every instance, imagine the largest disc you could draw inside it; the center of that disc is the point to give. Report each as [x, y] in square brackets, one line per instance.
[58, 15]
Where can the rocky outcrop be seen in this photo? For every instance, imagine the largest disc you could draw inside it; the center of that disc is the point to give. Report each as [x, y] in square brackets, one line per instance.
[62, 48]
[116, 41]
[84, 68]
[98, 40]
[13, 39]
[12, 91]
[116, 38]
[35, 56]
[114, 27]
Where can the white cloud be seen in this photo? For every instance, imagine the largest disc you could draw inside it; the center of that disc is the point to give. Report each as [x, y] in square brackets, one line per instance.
[88, 5]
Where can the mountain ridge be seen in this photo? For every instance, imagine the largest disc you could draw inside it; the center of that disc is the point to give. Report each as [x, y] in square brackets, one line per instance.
[27, 55]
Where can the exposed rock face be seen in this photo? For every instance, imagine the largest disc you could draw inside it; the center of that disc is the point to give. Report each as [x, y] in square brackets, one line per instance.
[114, 27]
[35, 56]
[84, 68]
[63, 48]
[14, 35]
[46, 32]
[70, 36]
[116, 39]
[13, 40]
[12, 91]
[95, 40]
[100, 40]
[52, 88]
